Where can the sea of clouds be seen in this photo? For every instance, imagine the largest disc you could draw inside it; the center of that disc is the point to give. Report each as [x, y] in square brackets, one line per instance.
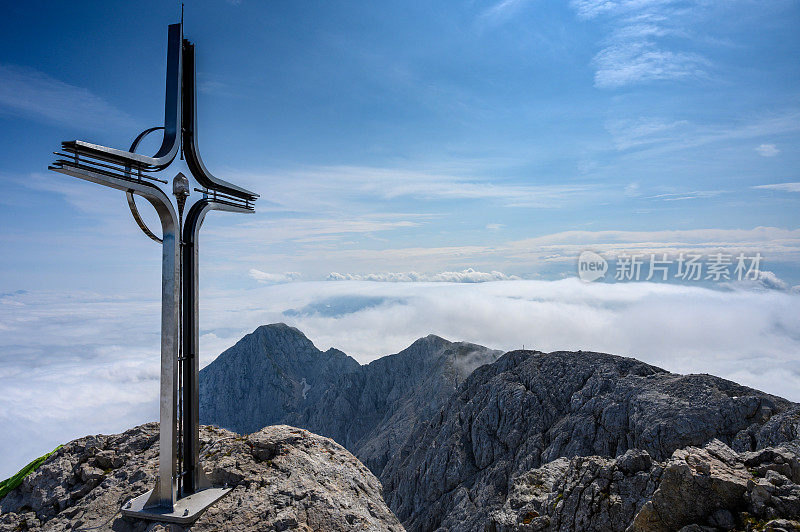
[81, 363]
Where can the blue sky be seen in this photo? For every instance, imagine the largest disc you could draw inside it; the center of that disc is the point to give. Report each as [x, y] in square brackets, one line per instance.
[414, 136]
[405, 141]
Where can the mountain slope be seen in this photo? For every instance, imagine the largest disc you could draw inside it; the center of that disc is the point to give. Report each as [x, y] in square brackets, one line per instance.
[374, 410]
[529, 408]
[271, 372]
[452, 444]
[282, 378]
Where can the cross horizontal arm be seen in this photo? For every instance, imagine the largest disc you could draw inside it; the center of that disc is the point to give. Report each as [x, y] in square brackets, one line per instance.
[172, 119]
[190, 147]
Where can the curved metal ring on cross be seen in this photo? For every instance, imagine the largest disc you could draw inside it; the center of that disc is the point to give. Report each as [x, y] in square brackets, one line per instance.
[129, 194]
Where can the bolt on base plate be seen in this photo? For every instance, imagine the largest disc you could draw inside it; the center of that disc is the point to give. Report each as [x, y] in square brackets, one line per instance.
[185, 510]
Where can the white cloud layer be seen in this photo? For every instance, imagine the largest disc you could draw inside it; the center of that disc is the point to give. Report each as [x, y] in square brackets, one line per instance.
[266, 277]
[465, 276]
[75, 364]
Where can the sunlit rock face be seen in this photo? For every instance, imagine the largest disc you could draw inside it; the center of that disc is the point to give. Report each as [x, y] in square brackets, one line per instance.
[713, 487]
[283, 478]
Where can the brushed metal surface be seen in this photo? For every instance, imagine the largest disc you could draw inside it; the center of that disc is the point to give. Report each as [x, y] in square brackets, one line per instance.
[166, 490]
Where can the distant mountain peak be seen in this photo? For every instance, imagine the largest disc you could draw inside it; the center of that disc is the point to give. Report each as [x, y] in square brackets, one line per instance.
[279, 328]
[283, 378]
[428, 341]
[285, 338]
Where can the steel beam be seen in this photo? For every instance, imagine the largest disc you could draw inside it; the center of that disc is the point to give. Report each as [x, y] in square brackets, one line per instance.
[194, 478]
[190, 146]
[172, 119]
[181, 491]
[164, 494]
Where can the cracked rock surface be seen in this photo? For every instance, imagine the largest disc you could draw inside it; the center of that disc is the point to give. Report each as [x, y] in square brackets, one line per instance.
[530, 408]
[708, 488]
[283, 478]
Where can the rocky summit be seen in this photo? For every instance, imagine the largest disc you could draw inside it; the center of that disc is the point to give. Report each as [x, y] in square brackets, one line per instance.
[454, 437]
[283, 478]
[282, 377]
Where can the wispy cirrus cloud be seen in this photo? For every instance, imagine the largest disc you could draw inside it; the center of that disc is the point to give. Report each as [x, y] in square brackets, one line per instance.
[35, 95]
[547, 255]
[783, 187]
[327, 187]
[589, 9]
[775, 243]
[501, 11]
[657, 135]
[628, 63]
[646, 41]
[688, 195]
[634, 133]
[301, 229]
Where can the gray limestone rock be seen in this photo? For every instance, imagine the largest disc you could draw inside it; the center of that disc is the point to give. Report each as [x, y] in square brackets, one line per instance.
[696, 489]
[283, 478]
[446, 426]
[267, 375]
[530, 408]
[282, 378]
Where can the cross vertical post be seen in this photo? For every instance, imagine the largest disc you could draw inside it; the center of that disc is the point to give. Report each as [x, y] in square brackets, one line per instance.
[181, 491]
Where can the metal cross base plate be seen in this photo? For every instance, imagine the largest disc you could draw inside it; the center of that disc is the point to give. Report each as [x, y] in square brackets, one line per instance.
[186, 510]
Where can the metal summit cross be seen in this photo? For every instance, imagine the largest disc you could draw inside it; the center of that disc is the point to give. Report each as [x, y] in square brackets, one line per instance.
[182, 490]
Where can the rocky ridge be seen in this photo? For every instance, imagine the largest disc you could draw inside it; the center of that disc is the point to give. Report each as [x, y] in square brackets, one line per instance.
[283, 478]
[531, 408]
[370, 409]
[448, 442]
